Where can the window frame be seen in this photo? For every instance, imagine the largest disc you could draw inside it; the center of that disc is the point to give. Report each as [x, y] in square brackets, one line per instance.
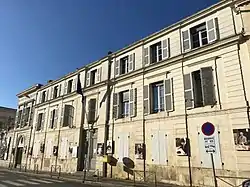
[160, 88]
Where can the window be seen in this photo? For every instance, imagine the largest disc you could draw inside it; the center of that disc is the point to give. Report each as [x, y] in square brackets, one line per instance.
[156, 52]
[70, 84]
[53, 118]
[124, 65]
[124, 104]
[91, 111]
[43, 98]
[26, 115]
[200, 35]
[68, 116]
[19, 117]
[199, 88]
[124, 98]
[93, 77]
[40, 122]
[157, 97]
[55, 93]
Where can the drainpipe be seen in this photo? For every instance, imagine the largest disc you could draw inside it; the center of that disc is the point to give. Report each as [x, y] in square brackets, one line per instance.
[106, 130]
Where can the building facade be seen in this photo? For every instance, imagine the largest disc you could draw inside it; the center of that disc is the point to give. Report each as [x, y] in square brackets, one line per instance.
[166, 102]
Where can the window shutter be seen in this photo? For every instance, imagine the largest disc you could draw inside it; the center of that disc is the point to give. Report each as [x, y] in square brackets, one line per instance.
[91, 111]
[163, 147]
[66, 116]
[207, 82]
[165, 48]
[59, 90]
[62, 116]
[186, 40]
[212, 30]
[169, 99]
[146, 56]
[155, 147]
[47, 95]
[74, 82]
[98, 76]
[115, 106]
[131, 102]
[40, 98]
[120, 147]
[131, 62]
[88, 79]
[51, 119]
[65, 87]
[43, 120]
[71, 116]
[117, 68]
[55, 119]
[52, 93]
[146, 99]
[188, 87]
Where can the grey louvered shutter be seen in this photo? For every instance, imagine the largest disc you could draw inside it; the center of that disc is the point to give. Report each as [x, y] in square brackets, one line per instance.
[117, 68]
[99, 74]
[165, 48]
[212, 30]
[47, 95]
[66, 116]
[115, 106]
[88, 79]
[186, 42]
[146, 99]
[188, 87]
[91, 111]
[51, 119]
[131, 62]
[55, 119]
[62, 116]
[59, 90]
[207, 82]
[132, 102]
[169, 100]
[52, 93]
[40, 97]
[43, 121]
[146, 56]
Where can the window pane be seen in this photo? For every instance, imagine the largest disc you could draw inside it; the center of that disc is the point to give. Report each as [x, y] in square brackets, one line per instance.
[155, 99]
[161, 99]
[125, 96]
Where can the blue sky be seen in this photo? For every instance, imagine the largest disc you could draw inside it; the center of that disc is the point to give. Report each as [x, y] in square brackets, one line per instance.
[46, 39]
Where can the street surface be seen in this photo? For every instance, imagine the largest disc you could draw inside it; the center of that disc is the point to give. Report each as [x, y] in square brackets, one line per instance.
[10, 179]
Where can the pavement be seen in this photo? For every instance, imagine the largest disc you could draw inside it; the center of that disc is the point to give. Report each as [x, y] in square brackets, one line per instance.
[12, 178]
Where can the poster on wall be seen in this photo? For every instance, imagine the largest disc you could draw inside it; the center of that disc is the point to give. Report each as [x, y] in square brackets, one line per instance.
[242, 139]
[109, 147]
[181, 147]
[139, 150]
[100, 149]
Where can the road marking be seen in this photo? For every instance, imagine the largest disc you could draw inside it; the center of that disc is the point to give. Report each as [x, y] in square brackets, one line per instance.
[42, 181]
[13, 183]
[53, 180]
[27, 182]
[2, 185]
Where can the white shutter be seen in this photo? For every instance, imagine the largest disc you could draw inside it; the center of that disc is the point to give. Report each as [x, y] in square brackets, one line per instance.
[98, 76]
[169, 99]
[47, 94]
[132, 102]
[146, 56]
[155, 147]
[88, 79]
[51, 119]
[131, 62]
[48, 152]
[186, 42]
[63, 148]
[117, 68]
[43, 121]
[59, 90]
[40, 97]
[52, 93]
[65, 87]
[189, 94]
[56, 118]
[165, 48]
[146, 103]
[212, 31]
[62, 116]
[74, 82]
[125, 145]
[163, 147]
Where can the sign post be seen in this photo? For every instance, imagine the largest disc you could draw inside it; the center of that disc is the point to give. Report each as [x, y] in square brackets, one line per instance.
[208, 130]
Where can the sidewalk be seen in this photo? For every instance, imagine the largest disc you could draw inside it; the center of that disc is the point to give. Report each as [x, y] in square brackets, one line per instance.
[102, 182]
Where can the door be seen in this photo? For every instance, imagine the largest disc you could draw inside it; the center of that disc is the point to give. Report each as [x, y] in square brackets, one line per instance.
[93, 149]
[19, 155]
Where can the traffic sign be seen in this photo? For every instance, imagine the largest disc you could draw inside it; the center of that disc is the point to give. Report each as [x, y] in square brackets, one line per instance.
[208, 129]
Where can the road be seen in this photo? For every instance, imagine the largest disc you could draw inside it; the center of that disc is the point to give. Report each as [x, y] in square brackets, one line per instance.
[10, 179]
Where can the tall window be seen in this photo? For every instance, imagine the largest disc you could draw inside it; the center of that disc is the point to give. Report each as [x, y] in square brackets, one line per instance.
[55, 93]
[68, 116]
[40, 121]
[158, 97]
[93, 77]
[124, 65]
[43, 97]
[124, 98]
[70, 84]
[199, 35]
[156, 52]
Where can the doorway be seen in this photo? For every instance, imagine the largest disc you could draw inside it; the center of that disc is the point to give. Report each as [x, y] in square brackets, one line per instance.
[19, 152]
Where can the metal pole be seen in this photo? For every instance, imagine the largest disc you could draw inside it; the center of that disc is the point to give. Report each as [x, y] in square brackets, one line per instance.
[214, 175]
[106, 130]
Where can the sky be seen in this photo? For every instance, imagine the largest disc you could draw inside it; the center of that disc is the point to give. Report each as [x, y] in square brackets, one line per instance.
[46, 39]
